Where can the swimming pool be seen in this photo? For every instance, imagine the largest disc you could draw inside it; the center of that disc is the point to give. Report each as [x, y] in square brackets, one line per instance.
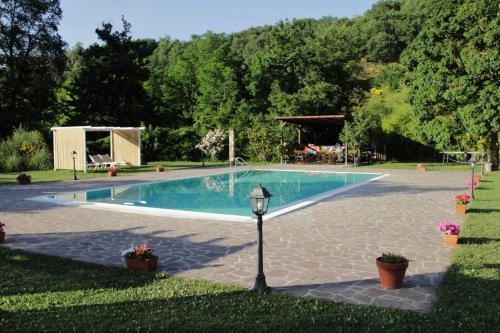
[221, 196]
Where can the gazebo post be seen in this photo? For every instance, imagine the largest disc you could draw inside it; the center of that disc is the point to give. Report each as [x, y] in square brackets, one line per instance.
[346, 152]
[282, 125]
[84, 153]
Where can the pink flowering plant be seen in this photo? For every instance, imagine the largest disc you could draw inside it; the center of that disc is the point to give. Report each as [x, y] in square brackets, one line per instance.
[113, 170]
[140, 252]
[462, 199]
[1, 226]
[470, 182]
[449, 228]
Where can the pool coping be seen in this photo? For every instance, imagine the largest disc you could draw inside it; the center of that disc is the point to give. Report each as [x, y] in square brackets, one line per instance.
[183, 214]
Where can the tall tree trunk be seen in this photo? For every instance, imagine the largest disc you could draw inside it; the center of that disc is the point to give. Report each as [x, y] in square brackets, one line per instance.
[494, 150]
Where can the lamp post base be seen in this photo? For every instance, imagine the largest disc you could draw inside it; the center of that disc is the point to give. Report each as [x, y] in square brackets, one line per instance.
[261, 285]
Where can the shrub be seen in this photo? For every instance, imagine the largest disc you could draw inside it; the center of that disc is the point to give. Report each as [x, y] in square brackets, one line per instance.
[263, 139]
[159, 143]
[24, 150]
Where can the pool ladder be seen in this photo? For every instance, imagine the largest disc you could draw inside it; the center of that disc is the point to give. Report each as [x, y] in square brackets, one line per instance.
[238, 161]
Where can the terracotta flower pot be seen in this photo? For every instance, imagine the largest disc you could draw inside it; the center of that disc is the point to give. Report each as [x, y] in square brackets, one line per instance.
[460, 209]
[160, 169]
[112, 173]
[391, 275]
[421, 167]
[148, 265]
[2, 236]
[477, 179]
[451, 240]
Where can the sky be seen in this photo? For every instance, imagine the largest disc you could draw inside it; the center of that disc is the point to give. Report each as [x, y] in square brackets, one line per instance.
[180, 19]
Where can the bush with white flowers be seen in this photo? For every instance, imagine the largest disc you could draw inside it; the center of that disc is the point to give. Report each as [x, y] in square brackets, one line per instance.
[213, 143]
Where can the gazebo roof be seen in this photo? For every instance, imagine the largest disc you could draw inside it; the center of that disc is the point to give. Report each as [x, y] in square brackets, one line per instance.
[314, 121]
[99, 128]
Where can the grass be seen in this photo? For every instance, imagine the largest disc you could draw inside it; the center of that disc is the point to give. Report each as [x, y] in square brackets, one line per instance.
[59, 175]
[471, 290]
[413, 166]
[51, 175]
[43, 293]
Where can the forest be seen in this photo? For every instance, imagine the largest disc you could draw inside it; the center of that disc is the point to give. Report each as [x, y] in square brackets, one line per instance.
[418, 76]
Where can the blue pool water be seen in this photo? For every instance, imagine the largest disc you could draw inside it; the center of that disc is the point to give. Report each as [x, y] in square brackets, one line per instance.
[225, 193]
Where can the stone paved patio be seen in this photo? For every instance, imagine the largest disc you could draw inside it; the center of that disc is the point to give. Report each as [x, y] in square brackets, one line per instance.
[326, 250]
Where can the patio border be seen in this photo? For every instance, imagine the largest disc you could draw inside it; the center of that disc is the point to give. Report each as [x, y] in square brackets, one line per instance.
[180, 214]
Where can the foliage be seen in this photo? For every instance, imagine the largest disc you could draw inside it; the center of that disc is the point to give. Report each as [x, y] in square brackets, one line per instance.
[390, 76]
[263, 139]
[391, 258]
[356, 132]
[442, 96]
[104, 86]
[212, 143]
[31, 62]
[453, 69]
[140, 252]
[24, 150]
[1, 227]
[170, 144]
[23, 177]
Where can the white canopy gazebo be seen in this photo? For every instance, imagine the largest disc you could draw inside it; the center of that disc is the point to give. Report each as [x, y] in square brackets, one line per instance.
[125, 145]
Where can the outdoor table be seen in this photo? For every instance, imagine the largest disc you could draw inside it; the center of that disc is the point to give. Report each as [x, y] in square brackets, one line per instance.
[446, 155]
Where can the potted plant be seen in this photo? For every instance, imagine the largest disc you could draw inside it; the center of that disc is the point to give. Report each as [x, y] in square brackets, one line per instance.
[112, 172]
[23, 179]
[141, 258]
[461, 201]
[421, 167]
[391, 269]
[451, 232]
[2, 232]
[159, 168]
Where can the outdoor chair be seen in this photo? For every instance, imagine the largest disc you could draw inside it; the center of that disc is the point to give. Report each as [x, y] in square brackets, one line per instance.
[97, 161]
[299, 156]
[108, 161]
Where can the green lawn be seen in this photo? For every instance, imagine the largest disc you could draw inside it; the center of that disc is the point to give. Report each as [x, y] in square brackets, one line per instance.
[42, 293]
[413, 166]
[51, 175]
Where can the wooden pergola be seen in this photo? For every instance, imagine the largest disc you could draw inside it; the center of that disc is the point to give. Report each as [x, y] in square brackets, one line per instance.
[323, 121]
[125, 145]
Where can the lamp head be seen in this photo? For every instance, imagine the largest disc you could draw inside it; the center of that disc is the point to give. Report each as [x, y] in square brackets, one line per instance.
[259, 199]
[472, 162]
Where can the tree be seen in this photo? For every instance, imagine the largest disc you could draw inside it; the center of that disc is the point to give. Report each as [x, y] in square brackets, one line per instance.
[106, 84]
[31, 62]
[357, 132]
[454, 66]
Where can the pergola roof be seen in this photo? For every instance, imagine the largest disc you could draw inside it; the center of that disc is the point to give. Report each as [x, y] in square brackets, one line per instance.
[100, 128]
[314, 121]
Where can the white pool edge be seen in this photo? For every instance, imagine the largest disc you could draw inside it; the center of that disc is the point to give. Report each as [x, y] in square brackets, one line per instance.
[181, 214]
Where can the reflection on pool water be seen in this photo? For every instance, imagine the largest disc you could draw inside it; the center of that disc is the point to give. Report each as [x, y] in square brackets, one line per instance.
[225, 193]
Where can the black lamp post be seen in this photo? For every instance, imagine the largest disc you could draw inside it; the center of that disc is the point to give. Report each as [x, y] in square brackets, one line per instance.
[472, 162]
[259, 198]
[73, 156]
